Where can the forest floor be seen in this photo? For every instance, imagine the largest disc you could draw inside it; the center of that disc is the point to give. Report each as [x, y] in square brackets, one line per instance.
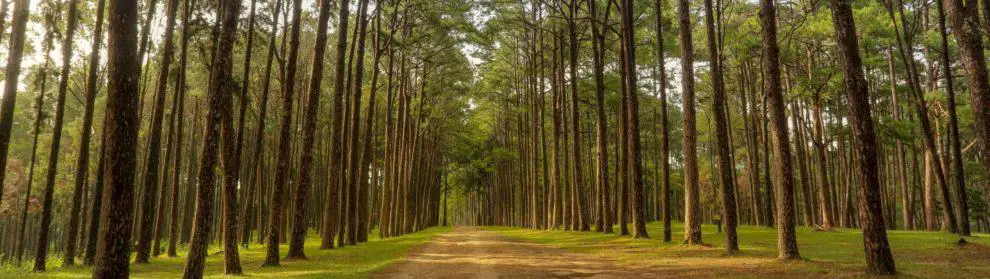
[347, 262]
[837, 254]
[472, 252]
[502, 252]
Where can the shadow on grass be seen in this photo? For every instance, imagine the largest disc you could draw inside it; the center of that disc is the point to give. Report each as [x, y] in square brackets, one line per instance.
[344, 262]
[826, 254]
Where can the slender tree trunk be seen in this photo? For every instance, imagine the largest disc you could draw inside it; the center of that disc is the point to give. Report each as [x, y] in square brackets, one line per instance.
[151, 164]
[285, 136]
[965, 24]
[692, 214]
[665, 134]
[16, 51]
[899, 148]
[578, 186]
[242, 172]
[721, 134]
[601, 132]
[878, 257]
[249, 208]
[39, 117]
[46, 214]
[637, 206]
[299, 222]
[82, 163]
[218, 116]
[337, 120]
[786, 236]
[178, 117]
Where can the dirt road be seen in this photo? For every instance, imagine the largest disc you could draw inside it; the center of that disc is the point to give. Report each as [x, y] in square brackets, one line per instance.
[468, 252]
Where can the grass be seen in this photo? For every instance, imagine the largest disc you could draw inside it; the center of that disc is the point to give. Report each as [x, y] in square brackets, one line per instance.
[347, 262]
[826, 254]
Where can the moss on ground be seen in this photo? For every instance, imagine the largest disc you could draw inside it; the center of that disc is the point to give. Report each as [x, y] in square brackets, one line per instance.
[347, 262]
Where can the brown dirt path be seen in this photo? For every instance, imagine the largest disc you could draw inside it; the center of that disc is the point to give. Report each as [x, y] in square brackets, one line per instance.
[468, 252]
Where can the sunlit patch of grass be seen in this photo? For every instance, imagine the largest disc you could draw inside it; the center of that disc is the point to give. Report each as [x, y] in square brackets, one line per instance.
[347, 262]
[833, 254]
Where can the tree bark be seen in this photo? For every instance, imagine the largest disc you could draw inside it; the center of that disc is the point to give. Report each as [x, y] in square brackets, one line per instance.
[123, 68]
[46, 214]
[330, 216]
[721, 133]
[692, 214]
[665, 208]
[965, 24]
[15, 53]
[878, 257]
[285, 136]
[787, 248]
[82, 163]
[179, 104]
[217, 119]
[151, 164]
[249, 208]
[299, 222]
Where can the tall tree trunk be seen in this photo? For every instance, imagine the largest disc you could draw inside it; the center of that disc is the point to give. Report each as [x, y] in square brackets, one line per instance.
[151, 164]
[39, 117]
[178, 118]
[63, 86]
[965, 24]
[230, 146]
[330, 216]
[665, 134]
[601, 132]
[899, 148]
[556, 156]
[82, 163]
[123, 68]
[218, 116]
[721, 133]
[244, 100]
[366, 156]
[16, 51]
[949, 217]
[638, 205]
[692, 214]
[285, 136]
[878, 257]
[787, 248]
[354, 152]
[577, 173]
[94, 217]
[299, 222]
[249, 208]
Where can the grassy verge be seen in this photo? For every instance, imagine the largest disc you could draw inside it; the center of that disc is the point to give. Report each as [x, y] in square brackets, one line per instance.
[347, 262]
[826, 254]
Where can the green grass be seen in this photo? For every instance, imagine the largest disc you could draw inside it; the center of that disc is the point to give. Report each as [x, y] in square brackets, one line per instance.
[826, 254]
[348, 262]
